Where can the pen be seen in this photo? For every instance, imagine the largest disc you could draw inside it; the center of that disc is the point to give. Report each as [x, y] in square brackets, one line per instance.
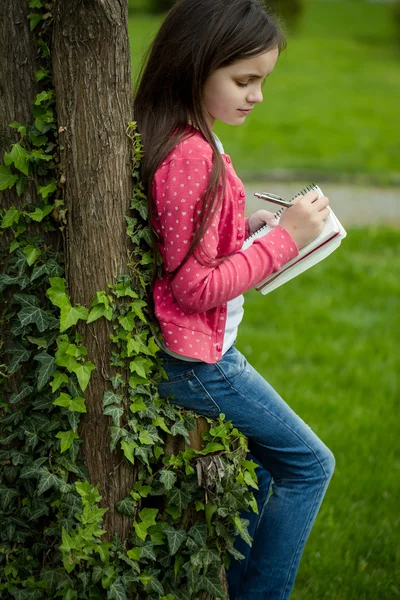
[274, 198]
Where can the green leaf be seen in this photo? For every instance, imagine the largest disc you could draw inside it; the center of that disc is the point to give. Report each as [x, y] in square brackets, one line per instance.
[6, 496]
[168, 478]
[83, 374]
[40, 213]
[46, 368]
[41, 74]
[46, 481]
[58, 379]
[11, 216]
[57, 292]
[160, 422]
[129, 450]
[67, 438]
[179, 428]
[199, 534]
[48, 189]
[137, 306]
[34, 314]
[35, 4]
[31, 254]
[63, 400]
[77, 405]
[23, 393]
[116, 591]
[179, 497]
[127, 506]
[70, 315]
[145, 437]
[175, 538]
[241, 526]
[34, 19]
[110, 397]
[115, 412]
[127, 321]
[212, 585]
[39, 342]
[148, 518]
[212, 447]
[141, 365]
[45, 95]
[99, 311]
[137, 404]
[19, 156]
[19, 355]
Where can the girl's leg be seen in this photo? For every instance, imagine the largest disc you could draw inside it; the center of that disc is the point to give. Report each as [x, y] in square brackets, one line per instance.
[300, 464]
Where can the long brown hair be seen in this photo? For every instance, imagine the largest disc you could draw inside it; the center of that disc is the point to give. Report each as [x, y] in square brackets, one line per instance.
[196, 38]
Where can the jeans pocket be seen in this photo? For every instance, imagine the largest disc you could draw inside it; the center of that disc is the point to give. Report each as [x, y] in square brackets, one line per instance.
[187, 391]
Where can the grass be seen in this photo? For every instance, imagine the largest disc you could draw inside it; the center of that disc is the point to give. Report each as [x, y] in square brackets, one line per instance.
[328, 342]
[331, 104]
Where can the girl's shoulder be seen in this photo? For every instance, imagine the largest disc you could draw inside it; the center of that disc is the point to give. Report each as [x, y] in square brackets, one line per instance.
[194, 146]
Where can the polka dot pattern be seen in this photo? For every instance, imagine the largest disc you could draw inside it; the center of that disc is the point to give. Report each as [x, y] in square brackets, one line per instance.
[191, 304]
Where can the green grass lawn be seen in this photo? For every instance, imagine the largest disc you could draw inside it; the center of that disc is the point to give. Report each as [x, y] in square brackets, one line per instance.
[328, 342]
[332, 103]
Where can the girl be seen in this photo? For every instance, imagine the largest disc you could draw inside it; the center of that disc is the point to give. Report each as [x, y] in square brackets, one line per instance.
[207, 63]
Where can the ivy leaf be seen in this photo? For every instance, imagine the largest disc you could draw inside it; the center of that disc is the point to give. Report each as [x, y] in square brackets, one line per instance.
[57, 292]
[179, 497]
[67, 438]
[6, 496]
[127, 321]
[83, 374]
[58, 379]
[99, 311]
[34, 19]
[19, 156]
[12, 215]
[26, 390]
[77, 405]
[39, 342]
[111, 397]
[19, 355]
[127, 506]
[115, 412]
[46, 369]
[54, 578]
[63, 400]
[137, 306]
[46, 481]
[175, 538]
[40, 213]
[70, 315]
[212, 585]
[141, 366]
[178, 428]
[241, 526]
[7, 180]
[129, 450]
[148, 518]
[116, 591]
[199, 533]
[168, 478]
[31, 254]
[145, 437]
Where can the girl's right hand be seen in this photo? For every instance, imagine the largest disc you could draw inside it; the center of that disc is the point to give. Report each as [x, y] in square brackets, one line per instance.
[304, 221]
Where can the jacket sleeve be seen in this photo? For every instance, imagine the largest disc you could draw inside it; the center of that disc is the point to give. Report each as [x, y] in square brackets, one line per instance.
[178, 188]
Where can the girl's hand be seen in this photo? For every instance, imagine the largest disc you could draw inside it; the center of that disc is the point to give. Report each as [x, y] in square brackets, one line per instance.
[305, 220]
[260, 218]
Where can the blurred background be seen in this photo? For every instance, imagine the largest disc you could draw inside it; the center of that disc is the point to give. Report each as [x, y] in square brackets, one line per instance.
[328, 340]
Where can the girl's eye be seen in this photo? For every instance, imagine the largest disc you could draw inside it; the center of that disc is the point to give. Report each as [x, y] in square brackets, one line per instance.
[241, 84]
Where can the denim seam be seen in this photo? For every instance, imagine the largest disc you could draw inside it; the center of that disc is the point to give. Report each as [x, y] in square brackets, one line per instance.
[207, 393]
[275, 417]
[301, 543]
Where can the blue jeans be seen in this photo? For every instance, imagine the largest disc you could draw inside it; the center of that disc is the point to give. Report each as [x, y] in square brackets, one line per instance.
[294, 464]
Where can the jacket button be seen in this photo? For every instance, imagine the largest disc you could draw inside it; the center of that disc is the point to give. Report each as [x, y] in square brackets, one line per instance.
[219, 347]
[242, 194]
[240, 235]
[223, 309]
[228, 160]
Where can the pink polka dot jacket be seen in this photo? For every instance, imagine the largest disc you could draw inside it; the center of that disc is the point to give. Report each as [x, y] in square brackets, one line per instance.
[190, 303]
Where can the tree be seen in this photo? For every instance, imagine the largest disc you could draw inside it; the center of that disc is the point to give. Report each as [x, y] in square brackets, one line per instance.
[68, 184]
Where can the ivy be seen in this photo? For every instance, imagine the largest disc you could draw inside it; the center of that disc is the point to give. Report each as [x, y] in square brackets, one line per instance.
[185, 507]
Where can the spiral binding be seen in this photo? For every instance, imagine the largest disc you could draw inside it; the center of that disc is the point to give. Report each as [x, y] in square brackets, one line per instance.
[278, 213]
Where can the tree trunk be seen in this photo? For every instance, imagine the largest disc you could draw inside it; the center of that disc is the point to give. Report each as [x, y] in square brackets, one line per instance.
[92, 79]
[17, 87]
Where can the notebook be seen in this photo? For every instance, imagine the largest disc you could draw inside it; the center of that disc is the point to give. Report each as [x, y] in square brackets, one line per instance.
[322, 246]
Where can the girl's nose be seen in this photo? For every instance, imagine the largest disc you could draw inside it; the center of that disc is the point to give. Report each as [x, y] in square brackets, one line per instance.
[255, 96]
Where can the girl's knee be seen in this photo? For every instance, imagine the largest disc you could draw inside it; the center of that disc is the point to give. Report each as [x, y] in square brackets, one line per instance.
[328, 462]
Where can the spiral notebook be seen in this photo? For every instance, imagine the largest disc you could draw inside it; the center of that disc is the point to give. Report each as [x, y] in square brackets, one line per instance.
[322, 246]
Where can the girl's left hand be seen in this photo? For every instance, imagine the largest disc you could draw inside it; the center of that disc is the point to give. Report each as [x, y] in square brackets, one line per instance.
[260, 218]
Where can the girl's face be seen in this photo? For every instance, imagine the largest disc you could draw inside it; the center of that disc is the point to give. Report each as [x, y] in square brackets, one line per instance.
[231, 92]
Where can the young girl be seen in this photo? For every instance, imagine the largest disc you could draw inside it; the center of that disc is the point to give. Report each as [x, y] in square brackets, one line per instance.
[207, 63]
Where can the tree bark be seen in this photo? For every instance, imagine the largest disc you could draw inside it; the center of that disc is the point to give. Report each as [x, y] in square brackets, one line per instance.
[92, 79]
[18, 87]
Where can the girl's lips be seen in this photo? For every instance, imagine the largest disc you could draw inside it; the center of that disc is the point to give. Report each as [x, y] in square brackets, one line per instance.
[245, 110]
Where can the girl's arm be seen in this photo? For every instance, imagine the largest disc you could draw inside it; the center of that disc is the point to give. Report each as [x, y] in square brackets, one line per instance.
[178, 186]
